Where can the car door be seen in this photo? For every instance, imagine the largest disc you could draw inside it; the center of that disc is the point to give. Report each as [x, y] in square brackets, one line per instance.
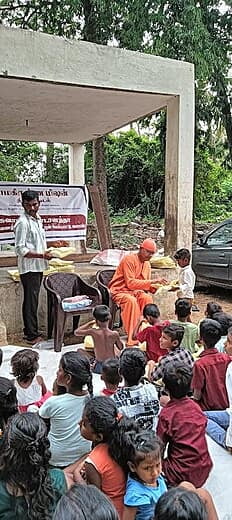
[214, 256]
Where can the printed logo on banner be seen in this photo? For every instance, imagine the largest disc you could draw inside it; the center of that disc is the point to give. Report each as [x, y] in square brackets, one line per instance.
[63, 210]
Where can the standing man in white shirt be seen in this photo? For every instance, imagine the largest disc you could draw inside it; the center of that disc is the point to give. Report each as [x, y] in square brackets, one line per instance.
[30, 248]
[187, 277]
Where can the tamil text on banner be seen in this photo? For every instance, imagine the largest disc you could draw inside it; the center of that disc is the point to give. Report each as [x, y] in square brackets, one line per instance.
[63, 209]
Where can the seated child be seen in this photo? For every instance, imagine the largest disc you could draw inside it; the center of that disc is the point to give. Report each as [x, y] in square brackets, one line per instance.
[185, 504]
[145, 483]
[136, 399]
[64, 411]
[183, 312]
[225, 321]
[187, 277]
[151, 334]
[118, 450]
[219, 422]
[105, 339]
[111, 377]
[211, 309]
[31, 389]
[170, 340]
[102, 425]
[209, 371]
[58, 389]
[28, 487]
[83, 503]
[8, 403]
[181, 427]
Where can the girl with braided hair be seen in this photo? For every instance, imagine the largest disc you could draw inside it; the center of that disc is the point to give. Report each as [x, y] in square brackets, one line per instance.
[8, 402]
[29, 490]
[106, 466]
[64, 411]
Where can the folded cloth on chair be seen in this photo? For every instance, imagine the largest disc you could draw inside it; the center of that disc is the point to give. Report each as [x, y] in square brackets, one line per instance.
[76, 302]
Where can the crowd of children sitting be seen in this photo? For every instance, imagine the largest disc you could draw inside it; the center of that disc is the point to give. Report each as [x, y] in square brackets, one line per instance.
[135, 451]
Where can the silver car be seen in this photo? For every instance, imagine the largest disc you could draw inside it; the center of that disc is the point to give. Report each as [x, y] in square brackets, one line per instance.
[212, 256]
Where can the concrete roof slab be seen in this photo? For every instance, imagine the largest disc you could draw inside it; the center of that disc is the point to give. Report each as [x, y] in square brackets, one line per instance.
[75, 91]
[42, 111]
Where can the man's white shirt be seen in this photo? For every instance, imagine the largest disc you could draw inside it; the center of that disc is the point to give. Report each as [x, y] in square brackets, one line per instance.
[30, 236]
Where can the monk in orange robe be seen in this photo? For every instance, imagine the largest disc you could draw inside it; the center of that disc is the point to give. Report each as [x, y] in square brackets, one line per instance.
[131, 284]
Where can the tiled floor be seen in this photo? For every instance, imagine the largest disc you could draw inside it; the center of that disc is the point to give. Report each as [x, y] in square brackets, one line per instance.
[220, 481]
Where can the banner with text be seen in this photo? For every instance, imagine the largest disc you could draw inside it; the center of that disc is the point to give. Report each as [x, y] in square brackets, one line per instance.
[63, 210]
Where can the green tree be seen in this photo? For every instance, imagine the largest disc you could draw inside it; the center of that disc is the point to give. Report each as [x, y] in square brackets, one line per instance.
[56, 170]
[135, 169]
[20, 161]
[199, 32]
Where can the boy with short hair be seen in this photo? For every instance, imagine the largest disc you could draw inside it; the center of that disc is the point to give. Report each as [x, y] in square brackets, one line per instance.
[105, 339]
[209, 370]
[136, 399]
[151, 334]
[183, 313]
[111, 377]
[187, 277]
[219, 425]
[181, 427]
[170, 340]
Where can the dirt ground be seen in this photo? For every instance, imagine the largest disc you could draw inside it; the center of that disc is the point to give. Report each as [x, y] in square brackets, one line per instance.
[211, 294]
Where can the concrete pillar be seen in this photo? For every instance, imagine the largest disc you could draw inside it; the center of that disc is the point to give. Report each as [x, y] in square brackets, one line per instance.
[76, 164]
[179, 173]
[77, 176]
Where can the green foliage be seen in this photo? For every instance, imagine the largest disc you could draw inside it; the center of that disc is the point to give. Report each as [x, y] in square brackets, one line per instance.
[135, 173]
[213, 188]
[58, 173]
[199, 32]
[20, 161]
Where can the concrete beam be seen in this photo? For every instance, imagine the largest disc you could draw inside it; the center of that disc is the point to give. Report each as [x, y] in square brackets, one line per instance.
[35, 55]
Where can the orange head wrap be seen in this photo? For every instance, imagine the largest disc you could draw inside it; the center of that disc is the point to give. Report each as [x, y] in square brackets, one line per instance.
[149, 245]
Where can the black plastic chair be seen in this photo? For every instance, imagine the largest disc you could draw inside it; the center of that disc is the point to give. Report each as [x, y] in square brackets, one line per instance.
[103, 279]
[58, 287]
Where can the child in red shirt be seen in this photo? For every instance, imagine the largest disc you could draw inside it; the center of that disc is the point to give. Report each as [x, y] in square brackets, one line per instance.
[181, 427]
[151, 335]
[209, 371]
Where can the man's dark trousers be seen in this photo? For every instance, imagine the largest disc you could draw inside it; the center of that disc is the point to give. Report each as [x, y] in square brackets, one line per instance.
[31, 286]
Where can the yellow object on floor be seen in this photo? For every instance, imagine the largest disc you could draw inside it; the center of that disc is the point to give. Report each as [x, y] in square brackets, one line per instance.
[14, 274]
[57, 262]
[61, 252]
[162, 262]
[88, 340]
[58, 267]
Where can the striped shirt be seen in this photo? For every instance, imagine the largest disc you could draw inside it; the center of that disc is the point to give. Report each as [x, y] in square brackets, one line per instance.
[179, 355]
[30, 236]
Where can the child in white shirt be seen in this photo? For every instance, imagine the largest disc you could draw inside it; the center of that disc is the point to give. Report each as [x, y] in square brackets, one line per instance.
[187, 277]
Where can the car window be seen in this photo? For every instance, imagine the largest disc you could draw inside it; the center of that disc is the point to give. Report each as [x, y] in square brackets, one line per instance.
[221, 236]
